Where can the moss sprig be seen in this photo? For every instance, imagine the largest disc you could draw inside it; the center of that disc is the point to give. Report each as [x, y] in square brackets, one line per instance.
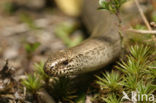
[137, 73]
[32, 83]
[110, 82]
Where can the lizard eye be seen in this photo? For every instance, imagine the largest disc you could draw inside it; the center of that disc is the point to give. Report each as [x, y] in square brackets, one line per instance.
[65, 62]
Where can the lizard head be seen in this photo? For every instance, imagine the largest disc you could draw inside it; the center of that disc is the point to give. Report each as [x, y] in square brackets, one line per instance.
[59, 63]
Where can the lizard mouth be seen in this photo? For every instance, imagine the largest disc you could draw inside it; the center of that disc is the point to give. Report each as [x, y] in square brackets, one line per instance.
[51, 73]
[47, 71]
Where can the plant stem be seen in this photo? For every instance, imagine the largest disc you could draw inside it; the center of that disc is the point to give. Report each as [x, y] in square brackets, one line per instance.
[142, 15]
[142, 31]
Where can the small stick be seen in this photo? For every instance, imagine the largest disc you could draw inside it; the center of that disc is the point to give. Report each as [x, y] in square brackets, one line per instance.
[142, 31]
[142, 15]
[145, 19]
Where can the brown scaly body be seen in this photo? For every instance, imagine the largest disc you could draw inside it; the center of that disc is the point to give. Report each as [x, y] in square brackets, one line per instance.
[100, 49]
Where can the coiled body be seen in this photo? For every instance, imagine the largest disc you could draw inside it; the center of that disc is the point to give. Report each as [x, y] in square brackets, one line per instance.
[100, 49]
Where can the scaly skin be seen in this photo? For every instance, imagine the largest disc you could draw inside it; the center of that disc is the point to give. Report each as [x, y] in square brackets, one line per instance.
[100, 49]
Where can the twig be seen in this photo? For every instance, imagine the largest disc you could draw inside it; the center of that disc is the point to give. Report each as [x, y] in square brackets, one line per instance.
[142, 15]
[145, 20]
[152, 67]
[142, 31]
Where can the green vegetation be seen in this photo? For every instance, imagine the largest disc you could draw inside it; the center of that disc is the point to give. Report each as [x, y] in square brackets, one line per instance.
[32, 83]
[25, 18]
[9, 7]
[111, 99]
[110, 82]
[111, 5]
[64, 31]
[38, 67]
[31, 47]
[136, 74]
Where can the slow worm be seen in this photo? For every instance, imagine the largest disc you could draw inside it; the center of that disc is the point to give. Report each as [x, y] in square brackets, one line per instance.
[100, 49]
